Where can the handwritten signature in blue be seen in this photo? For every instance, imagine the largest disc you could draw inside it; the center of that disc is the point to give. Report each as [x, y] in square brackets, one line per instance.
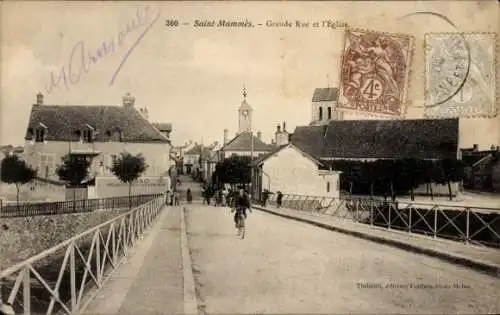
[80, 60]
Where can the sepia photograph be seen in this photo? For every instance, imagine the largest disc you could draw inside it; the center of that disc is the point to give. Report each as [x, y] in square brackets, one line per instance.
[249, 157]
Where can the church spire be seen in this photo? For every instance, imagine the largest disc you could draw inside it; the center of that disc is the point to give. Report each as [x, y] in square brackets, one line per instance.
[244, 92]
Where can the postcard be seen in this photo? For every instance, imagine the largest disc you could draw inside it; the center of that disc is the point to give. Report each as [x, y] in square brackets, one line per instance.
[249, 157]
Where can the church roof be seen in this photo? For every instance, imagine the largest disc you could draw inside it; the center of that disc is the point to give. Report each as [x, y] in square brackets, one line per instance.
[62, 121]
[390, 139]
[325, 94]
[243, 142]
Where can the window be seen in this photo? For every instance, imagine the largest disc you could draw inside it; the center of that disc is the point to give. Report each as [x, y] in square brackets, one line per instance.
[327, 186]
[46, 166]
[87, 135]
[40, 135]
[321, 113]
[329, 112]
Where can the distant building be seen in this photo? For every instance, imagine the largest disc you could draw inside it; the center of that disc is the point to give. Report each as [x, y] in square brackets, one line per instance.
[482, 169]
[324, 106]
[98, 133]
[246, 142]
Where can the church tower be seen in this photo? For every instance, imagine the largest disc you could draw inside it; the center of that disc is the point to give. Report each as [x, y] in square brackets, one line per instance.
[244, 115]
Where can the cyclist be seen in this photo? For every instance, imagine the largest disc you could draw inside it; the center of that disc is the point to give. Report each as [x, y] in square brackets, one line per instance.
[241, 204]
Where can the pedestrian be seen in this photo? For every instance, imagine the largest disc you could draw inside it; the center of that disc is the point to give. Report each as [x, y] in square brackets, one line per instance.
[265, 196]
[279, 198]
[189, 196]
[175, 198]
[167, 198]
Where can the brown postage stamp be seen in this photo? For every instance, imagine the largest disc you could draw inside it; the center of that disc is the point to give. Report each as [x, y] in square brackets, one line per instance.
[460, 75]
[374, 73]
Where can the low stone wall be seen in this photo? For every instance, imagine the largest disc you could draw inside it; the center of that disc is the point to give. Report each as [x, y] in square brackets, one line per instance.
[21, 238]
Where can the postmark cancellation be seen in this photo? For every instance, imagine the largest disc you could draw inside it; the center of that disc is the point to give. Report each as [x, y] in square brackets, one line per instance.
[460, 79]
[375, 71]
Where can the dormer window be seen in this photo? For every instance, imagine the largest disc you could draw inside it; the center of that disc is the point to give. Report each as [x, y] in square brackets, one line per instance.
[40, 133]
[88, 135]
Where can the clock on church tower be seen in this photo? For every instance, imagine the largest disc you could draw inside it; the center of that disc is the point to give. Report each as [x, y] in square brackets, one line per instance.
[245, 114]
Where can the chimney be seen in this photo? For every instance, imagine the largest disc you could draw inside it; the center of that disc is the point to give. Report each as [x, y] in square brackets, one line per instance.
[225, 136]
[284, 126]
[128, 100]
[39, 99]
[475, 148]
[144, 113]
[259, 135]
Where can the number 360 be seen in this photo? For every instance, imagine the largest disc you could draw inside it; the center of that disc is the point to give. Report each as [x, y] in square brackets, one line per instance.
[171, 23]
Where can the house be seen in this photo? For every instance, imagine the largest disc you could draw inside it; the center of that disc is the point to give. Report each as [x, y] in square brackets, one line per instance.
[209, 159]
[480, 169]
[98, 133]
[191, 159]
[361, 140]
[292, 171]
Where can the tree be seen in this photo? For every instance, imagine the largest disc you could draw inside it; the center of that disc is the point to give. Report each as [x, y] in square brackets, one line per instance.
[452, 171]
[234, 170]
[15, 171]
[128, 168]
[73, 171]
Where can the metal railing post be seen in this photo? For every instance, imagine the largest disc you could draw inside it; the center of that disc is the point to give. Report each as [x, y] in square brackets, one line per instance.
[371, 213]
[27, 290]
[390, 207]
[435, 222]
[409, 220]
[467, 226]
[72, 271]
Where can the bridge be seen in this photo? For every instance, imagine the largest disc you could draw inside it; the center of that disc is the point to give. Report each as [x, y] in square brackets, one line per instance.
[160, 259]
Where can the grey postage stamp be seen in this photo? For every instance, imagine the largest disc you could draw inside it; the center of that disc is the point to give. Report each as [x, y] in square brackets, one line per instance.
[460, 75]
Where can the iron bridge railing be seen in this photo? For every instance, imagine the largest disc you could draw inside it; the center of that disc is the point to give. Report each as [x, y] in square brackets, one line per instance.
[72, 206]
[471, 225]
[57, 279]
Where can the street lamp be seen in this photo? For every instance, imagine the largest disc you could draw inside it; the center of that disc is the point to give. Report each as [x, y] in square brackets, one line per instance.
[251, 165]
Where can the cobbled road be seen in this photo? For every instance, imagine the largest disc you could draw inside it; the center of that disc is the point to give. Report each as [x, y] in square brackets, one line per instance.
[284, 266]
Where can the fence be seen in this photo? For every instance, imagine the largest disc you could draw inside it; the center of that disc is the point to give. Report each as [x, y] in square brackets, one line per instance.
[57, 280]
[471, 225]
[72, 206]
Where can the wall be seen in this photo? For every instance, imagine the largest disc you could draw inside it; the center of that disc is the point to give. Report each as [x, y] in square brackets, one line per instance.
[495, 176]
[244, 153]
[18, 241]
[157, 155]
[292, 173]
[147, 185]
[34, 191]
[324, 105]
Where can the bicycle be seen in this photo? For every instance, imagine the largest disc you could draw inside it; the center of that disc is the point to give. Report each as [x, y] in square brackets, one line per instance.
[241, 224]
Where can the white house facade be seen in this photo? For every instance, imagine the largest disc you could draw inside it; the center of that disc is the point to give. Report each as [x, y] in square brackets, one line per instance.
[293, 171]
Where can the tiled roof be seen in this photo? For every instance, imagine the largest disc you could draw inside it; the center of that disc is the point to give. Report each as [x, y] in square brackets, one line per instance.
[418, 138]
[243, 142]
[63, 120]
[195, 150]
[325, 94]
[265, 156]
[163, 126]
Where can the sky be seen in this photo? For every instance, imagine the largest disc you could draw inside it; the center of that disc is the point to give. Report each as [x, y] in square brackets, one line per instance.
[193, 76]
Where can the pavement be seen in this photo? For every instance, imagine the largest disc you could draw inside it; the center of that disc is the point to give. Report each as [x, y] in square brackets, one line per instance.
[480, 258]
[150, 280]
[285, 266]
